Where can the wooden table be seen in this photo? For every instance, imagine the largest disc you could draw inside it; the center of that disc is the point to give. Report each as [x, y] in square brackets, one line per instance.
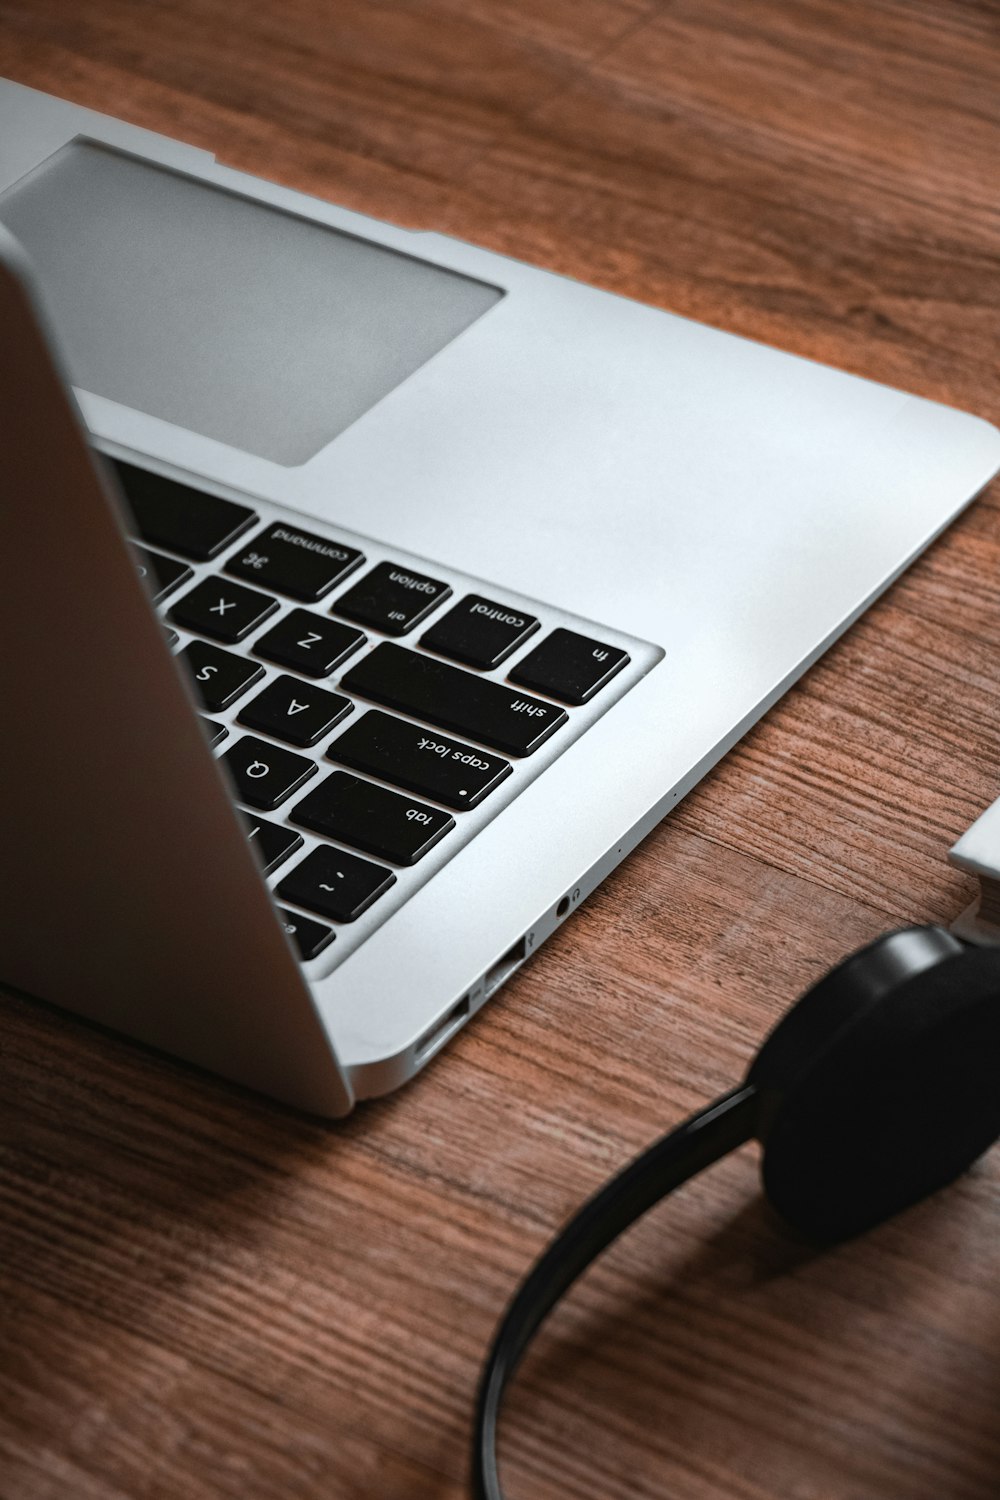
[204, 1296]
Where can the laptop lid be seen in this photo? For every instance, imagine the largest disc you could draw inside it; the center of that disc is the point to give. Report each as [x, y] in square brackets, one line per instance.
[132, 896]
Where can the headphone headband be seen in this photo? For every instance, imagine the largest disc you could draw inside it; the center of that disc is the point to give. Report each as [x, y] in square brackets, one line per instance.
[878, 1087]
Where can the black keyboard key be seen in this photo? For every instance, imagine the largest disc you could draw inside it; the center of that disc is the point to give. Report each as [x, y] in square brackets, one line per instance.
[419, 759]
[386, 824]
[296, 711]
[309, 937]
[294, 562]
[391, 599]
[479, 632]
[219, 676]
[336, 884]
[225, 611]
[568, 666]
[271, 842]
[264, 774]
[216, 732]
[177, 516]
[162, 574]
[453, 699]
[309, 643]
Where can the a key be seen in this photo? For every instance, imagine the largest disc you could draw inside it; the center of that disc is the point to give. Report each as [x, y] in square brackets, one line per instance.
[309, 643]
[189, 521]
[219, 676]
[226, 611]
[335, 884]
[453, 699]
[270, 841]
[294, 562]
[216, 732]
[296, 711]
[422, 760]
[569, 667]
[479, 632]
[386, 824]
[309, 937]
[162, 574]
[391, 598]
[264, 775]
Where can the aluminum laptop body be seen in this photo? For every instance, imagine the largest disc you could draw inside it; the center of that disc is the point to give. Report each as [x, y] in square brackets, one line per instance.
[712, 512]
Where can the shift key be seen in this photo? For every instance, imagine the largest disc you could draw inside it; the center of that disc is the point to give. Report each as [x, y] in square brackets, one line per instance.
[449, 698]
[421, 760]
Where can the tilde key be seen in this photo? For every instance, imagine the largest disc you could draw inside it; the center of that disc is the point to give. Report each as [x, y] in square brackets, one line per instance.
[335, 884]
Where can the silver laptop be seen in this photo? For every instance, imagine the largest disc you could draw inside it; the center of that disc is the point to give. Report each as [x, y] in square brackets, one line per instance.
[396, 591]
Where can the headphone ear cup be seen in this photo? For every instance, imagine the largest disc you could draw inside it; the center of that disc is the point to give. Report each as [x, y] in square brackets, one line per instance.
[882, 1084]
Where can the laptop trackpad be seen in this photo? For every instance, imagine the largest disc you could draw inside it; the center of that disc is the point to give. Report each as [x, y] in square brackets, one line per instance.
[260, 329]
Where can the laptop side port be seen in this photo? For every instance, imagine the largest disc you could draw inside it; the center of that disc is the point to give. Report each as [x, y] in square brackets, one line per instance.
[505, 966]
[442, 1029]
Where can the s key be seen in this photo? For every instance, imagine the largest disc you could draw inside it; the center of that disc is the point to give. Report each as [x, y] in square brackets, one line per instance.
[219, 677]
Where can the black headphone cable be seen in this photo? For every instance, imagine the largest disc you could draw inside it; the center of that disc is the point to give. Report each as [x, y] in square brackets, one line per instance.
[700, 1141]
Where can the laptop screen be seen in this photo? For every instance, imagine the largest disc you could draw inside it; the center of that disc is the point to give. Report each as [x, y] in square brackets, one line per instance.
[263, 330]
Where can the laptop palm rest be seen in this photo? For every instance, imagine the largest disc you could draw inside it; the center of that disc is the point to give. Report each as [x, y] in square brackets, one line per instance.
[133, 896]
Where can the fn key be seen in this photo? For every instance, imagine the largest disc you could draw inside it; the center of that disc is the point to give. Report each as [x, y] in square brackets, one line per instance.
[568, 666]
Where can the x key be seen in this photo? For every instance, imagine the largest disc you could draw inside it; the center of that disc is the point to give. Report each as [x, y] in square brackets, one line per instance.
[226, 611]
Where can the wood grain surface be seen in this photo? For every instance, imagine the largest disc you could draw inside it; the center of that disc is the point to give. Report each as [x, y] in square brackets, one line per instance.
[203, 1296]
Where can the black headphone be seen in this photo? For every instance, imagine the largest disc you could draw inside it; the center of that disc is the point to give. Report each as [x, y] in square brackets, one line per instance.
[881, 1085]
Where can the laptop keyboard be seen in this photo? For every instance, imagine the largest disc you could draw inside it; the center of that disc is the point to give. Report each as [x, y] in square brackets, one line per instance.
[371, 716]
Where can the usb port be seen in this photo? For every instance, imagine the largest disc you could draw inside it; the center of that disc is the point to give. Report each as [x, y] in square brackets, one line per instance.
[505, 966]
[448, 1023]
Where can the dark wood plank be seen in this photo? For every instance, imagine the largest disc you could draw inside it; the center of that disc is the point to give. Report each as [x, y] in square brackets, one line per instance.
[202, 1295]
[819, 176]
